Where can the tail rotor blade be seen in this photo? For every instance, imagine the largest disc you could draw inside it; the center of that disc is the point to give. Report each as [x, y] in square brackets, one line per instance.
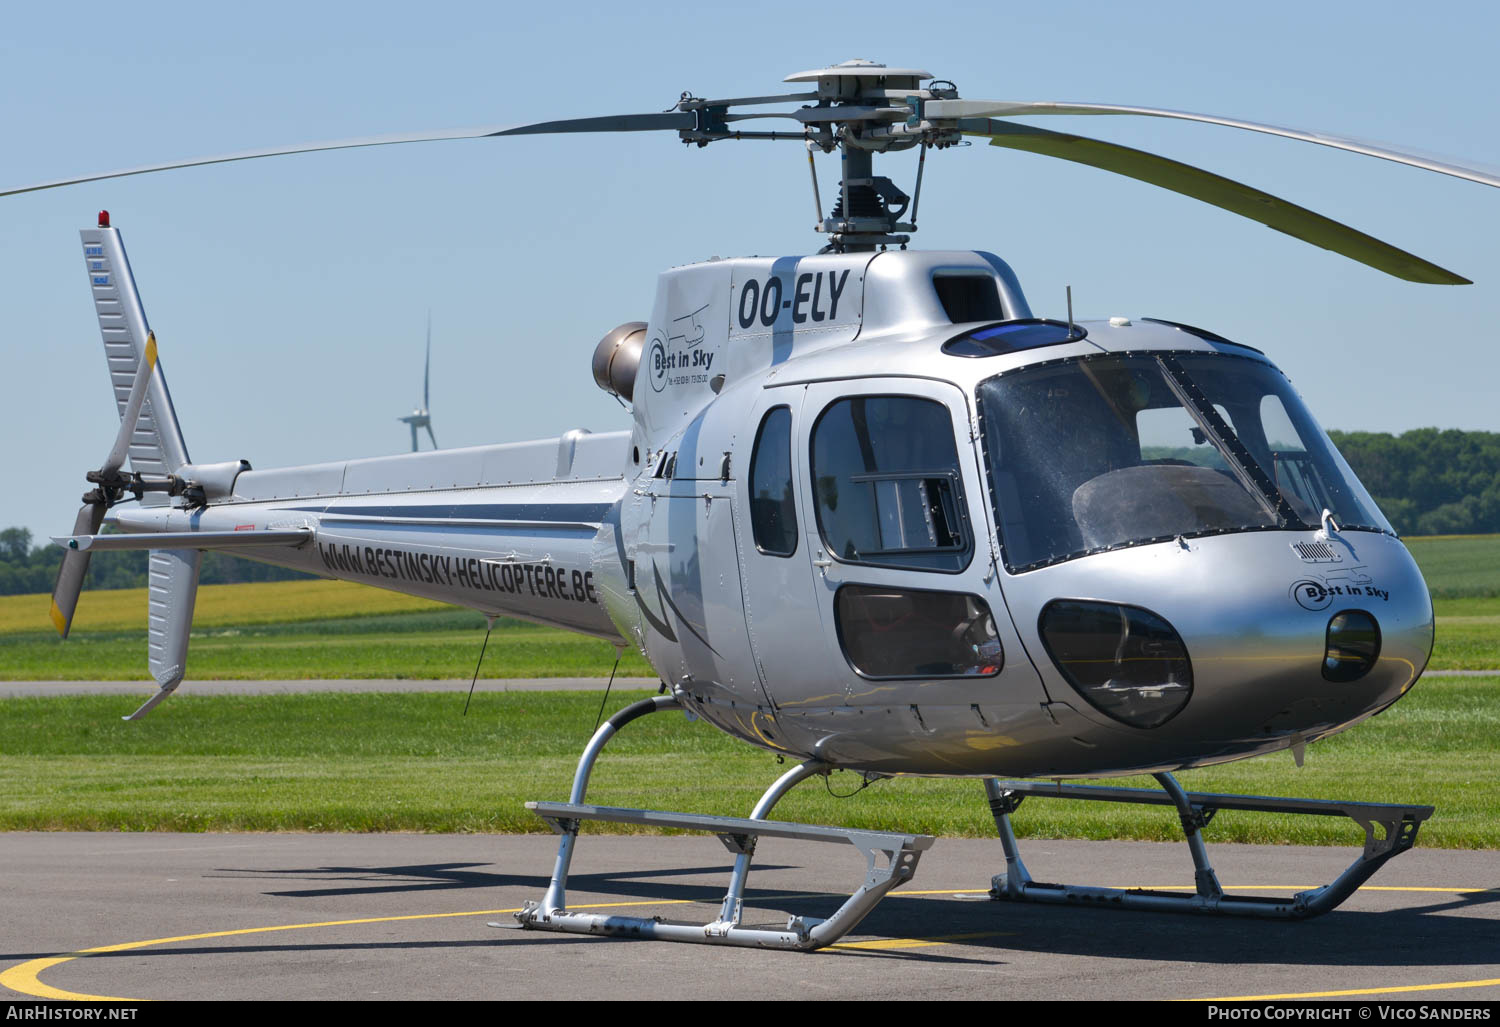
[133, 405]
[75, 565]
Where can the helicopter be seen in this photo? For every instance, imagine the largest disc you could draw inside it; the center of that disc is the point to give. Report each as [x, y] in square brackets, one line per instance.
[871, 514]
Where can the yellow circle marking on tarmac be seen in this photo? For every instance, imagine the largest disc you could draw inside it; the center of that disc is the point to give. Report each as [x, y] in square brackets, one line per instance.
[23, 977]
[1393, 990]
[882, 944]
[1304, 887]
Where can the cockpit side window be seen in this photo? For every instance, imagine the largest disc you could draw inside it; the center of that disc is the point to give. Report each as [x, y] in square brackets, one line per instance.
[887, 485]
[773, 510]
[1281, 449]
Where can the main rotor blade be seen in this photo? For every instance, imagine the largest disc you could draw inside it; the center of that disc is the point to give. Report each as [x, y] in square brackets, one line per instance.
[1004, 109]
[132, 411]
[431, 436]
[75, 564]
[427, 363]
[672, 120]
[1247, 201]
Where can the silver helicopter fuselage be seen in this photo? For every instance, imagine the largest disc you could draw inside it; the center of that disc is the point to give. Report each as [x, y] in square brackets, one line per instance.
[837, 533]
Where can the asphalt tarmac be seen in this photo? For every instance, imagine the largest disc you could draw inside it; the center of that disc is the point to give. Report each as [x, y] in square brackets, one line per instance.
[161, 916]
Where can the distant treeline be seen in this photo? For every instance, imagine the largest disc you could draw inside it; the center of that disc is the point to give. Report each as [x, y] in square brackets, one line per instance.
[1427, 482]
[25, 568]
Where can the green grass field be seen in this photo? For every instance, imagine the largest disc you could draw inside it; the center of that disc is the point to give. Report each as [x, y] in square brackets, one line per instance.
[296, 629]
[1459, 566]
[439, 645]
[410, 762]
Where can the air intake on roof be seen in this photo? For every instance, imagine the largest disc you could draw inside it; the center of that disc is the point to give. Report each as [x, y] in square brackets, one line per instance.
[968, 297]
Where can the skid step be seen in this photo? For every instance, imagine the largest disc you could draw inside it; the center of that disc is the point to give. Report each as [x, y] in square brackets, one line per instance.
[1205, 801]
[730, 827]
[1390, 829]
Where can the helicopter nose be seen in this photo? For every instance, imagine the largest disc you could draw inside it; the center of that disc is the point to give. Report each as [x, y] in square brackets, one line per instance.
[1232, 645]
[1343, 642]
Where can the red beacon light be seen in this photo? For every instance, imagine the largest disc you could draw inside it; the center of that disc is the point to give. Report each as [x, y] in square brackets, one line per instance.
[104, 219]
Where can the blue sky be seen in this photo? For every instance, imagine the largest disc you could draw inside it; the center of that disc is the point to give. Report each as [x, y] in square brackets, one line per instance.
[289, 294]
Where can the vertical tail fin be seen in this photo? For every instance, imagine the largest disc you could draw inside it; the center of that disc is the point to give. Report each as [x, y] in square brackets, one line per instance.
[156, 446]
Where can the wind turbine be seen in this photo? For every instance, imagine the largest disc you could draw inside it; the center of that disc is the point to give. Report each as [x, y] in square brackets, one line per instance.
[420, 418]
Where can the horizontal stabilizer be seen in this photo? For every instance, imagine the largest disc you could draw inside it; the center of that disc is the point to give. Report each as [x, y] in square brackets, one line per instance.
[186, 540]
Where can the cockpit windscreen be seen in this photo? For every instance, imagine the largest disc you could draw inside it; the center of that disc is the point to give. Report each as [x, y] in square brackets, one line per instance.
[1100, 452]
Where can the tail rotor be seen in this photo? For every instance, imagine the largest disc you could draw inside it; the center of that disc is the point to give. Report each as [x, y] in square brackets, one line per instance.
[110, 487]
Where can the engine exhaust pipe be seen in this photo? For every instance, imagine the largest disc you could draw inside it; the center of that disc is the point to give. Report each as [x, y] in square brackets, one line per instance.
[618, 357]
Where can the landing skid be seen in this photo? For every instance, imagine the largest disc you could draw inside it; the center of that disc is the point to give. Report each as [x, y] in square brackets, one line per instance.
[890, 860]
[891, 857]
[1389, 831]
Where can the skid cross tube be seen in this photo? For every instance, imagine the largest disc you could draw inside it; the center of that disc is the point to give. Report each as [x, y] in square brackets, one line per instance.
[557, 890]
[1390, 830]
[743, 846]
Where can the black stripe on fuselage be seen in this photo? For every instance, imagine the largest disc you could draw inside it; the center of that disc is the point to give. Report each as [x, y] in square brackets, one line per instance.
[534, 512]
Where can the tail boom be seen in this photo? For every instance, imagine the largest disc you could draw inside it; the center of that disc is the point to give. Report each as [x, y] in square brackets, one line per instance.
[529, 551]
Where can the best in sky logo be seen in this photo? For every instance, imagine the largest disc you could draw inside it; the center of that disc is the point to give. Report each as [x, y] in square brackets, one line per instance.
[658, 364]
[1311, 595]
[680, 358]
[1351, 582]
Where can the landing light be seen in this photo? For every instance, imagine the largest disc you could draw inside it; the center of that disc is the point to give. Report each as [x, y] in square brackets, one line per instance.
[1353, 645]
[1127, 662]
